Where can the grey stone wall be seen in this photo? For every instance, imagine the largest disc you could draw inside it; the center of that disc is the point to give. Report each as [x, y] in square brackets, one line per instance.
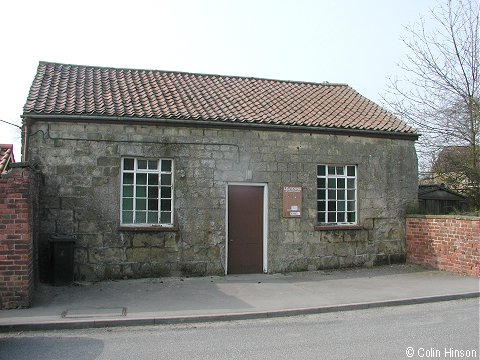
[80, 163]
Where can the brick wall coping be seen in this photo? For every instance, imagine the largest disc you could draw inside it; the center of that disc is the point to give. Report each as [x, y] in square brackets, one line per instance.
[454, 217]
[26, 164]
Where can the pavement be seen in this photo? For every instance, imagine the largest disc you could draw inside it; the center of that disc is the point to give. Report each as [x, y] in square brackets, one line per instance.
[233, 297]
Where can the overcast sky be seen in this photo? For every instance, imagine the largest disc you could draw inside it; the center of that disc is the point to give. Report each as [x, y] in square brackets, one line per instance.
[339, 41]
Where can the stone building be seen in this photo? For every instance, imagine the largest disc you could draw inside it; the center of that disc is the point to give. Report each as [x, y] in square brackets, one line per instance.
[165, 173]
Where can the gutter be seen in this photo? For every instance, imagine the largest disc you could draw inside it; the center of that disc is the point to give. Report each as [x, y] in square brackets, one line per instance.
[224, 124]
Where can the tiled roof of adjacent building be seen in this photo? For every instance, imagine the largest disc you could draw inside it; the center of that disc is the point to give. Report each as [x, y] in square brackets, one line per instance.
[60, 90]
[6, 156]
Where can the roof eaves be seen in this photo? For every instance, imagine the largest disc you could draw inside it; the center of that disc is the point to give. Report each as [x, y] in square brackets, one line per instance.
[225, 123]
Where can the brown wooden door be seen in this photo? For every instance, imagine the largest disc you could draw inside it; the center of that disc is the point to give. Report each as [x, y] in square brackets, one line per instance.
[245, 229]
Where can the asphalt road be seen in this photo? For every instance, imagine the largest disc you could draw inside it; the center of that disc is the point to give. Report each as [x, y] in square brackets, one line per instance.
[446, 330]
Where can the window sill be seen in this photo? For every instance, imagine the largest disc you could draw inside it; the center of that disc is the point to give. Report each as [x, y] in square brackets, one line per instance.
[148, 228]
[337, 227]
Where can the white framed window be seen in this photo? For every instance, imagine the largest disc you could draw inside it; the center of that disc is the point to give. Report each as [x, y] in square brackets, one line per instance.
[337, 194]
[147, 192]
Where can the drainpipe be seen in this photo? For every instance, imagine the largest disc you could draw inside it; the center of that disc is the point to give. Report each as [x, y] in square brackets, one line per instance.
[25, 142]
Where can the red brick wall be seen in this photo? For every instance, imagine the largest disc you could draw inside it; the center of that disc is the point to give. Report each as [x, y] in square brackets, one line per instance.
[450, 243]
[18, 192]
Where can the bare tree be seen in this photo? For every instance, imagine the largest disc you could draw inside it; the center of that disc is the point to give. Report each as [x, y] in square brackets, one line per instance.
[440, 90]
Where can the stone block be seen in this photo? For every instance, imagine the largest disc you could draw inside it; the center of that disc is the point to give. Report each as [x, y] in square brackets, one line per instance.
[194, 268]
[147, 239]
[360, 260]
[126, 270]
[94, 136]
[58, 143]
[78, 191]
[85, 272]
[113, 271]
[113, 239]
[71, 203]
[388, 229]
[398, 258]
[160, 269]
[99, 270]
[95, 255]
[346, 261]
[88, 227]
[332, 236]
[84, 214]
[345, 249]
[329, 262]
[355, 236]
[171, 242]
[381, 260]
[47, 227]
[288, 237]
[159, 254]
[64, 215]
[390, 247]
[111, 171]
[80, 255]
[111, 149]
[100, 181]
[138, 254]
[82, 150]
[361, 248]
[108, 161]
[143, 270]
[367, 223]
[229, 175]
[63, 170]
[113, 255]
[316, 250]
[66, 227]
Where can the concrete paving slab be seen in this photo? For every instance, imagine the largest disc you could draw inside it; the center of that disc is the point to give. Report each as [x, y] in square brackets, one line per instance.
[215, 298]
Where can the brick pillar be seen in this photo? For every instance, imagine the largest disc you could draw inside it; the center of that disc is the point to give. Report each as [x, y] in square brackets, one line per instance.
[18, 196]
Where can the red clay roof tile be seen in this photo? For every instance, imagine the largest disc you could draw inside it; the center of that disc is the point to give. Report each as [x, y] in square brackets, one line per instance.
[60, 89]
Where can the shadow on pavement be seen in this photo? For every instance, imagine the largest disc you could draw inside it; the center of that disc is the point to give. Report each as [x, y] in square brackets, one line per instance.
[52, 348]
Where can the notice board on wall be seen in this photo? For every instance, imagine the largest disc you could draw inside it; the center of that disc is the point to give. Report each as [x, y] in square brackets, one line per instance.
[292, 201]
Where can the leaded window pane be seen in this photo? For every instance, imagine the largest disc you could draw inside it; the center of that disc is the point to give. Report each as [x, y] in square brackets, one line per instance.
[321, 170]
[166, 179]
[167, 165]
[152, 164]
[166, 192]
[127, 191]
[141, 191]
[127, 217]
[128, 164]
[153, 179]
[128, 178]
[165, 217]
[152, 217]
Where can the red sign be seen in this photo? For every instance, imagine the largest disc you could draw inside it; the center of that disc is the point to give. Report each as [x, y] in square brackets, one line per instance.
[292, 201]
